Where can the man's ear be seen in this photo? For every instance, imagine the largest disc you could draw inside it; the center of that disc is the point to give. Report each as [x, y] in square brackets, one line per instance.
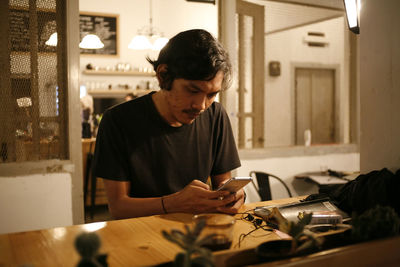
[161, 74]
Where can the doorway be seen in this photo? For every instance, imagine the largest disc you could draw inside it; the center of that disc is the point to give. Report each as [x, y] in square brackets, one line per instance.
[315, 105]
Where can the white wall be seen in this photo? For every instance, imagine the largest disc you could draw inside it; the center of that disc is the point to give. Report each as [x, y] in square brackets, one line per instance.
[170, 17]
[288, 48]
[380, 85]
[35, 202]
[287, 167]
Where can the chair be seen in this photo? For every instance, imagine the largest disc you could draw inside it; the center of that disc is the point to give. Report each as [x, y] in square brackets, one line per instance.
[264, 188]
[89, 177]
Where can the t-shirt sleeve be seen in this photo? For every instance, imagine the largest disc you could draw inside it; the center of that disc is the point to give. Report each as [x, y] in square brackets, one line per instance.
[110, 153]
[226, 154]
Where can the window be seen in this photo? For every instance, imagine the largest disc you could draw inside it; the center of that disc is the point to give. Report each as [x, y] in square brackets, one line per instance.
[33, 107]
[299, 45]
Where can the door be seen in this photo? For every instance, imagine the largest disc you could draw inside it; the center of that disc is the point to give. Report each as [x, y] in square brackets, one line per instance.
[250, 33]
[315, 105]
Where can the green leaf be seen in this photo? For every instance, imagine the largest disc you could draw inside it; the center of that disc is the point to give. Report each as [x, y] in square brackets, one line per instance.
[182, 260]
[204, 252]
[177, 239]
[201, 261]
[188, 231]
[297, 228]
[205, 240]
[199, 227]
[191, 245]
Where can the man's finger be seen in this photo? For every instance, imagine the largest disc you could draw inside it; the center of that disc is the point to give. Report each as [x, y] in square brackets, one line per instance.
[200, 184]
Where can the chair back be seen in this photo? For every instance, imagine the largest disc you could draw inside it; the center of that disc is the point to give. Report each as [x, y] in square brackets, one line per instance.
[264, 187]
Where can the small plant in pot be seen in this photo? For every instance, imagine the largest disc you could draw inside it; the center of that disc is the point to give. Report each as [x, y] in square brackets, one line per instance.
[377, 222]
[193, 253]
[302, 240]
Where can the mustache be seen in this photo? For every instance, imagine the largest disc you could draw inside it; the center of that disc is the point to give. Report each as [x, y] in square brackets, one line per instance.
[193, 111]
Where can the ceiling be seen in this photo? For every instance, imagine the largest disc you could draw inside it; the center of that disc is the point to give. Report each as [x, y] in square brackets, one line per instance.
[330, 4]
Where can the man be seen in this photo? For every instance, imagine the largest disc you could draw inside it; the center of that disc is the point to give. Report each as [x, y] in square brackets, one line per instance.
[156, 152]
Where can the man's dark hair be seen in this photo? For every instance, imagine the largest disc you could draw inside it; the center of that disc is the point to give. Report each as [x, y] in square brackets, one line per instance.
[193, 55]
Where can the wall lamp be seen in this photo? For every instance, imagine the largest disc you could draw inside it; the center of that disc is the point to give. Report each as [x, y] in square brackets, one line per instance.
[353, 14]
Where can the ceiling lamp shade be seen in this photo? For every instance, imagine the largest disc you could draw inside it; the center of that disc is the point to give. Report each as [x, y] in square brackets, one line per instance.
[159, 43]
[148, 37]
[353, 14]
[140, 42]
[91, 41]
[52, 40]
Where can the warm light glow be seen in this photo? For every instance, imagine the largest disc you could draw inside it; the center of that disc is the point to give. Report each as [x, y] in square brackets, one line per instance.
[24, 102]
[52, 40]
[82, 91]
[91, 41]
[148, 37]
[58, 233]
[140, 42]
[159, 43]
[92, 227]
[352, 14]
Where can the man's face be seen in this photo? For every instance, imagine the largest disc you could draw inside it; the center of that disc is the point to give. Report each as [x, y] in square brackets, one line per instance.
[187, 99]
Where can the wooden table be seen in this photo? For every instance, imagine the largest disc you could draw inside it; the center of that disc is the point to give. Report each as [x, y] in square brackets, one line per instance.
[129, 242]
[138, 242]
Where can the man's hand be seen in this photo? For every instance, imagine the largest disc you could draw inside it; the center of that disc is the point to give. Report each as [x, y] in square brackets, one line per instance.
[234, 206]
[197, 197]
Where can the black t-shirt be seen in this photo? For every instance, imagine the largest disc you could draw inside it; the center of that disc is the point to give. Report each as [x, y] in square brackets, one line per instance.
[135, 144]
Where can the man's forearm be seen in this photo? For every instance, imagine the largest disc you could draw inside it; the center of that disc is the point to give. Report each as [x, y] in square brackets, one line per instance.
[127, 207]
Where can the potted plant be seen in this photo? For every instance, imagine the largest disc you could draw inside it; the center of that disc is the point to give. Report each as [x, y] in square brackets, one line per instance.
[302, 240]
[190, 241]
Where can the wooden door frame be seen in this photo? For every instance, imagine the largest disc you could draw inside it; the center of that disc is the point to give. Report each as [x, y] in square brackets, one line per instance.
[258, 71]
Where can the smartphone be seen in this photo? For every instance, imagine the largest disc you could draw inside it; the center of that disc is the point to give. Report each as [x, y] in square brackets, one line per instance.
[234, 184]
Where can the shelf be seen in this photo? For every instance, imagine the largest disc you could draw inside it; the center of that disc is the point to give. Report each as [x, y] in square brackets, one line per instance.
[105, 93]
[118, 73]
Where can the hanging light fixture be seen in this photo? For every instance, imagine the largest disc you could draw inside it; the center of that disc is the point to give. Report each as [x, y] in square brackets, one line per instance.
[91, 41]
[353, 14]
[148, 37]
[52, 40]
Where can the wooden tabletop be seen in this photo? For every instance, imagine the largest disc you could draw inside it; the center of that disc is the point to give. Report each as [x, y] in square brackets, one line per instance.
[130, 242]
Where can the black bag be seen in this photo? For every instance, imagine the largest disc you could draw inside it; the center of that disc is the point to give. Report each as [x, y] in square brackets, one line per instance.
[366, 191]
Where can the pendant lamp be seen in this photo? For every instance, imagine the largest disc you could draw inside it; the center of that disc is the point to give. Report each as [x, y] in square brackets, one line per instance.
[148, 37]
[91, 41]
[52, 40]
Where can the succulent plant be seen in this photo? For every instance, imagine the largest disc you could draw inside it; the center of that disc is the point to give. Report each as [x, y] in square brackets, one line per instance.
[194, 254]
[87, 244]
[377, 222]
[302, 238]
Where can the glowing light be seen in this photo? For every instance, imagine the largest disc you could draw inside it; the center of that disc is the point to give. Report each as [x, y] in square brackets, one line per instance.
[91, 41]
[92, 227]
